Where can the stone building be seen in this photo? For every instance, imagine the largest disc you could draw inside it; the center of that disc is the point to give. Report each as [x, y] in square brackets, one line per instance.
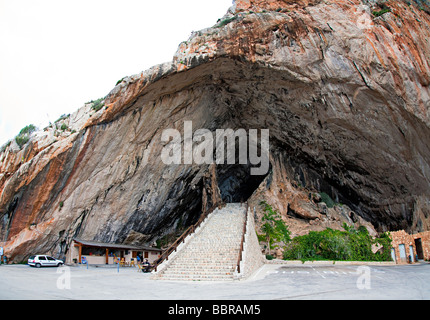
[410, 247]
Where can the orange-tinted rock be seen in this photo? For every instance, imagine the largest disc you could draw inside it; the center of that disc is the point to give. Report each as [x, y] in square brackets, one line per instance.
[345, 95]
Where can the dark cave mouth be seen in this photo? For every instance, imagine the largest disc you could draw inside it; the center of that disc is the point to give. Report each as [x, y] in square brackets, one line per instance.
[236, 183]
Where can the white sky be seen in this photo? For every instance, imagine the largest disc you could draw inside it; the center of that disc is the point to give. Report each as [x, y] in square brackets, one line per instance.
[56, 55]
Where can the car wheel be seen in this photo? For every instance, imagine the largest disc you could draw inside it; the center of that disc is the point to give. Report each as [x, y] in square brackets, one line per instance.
[37, 265]
[59, 265]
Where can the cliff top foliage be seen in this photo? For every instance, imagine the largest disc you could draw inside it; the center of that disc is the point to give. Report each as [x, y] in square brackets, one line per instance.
[24, 135]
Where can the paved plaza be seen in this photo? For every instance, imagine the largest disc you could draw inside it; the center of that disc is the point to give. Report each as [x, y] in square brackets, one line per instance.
[271, 282]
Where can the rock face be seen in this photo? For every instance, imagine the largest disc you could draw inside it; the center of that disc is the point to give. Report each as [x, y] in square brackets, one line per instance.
[343, 87]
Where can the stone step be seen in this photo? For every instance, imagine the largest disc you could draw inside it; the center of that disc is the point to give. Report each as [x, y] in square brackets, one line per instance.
[213, 251]
[208, 251]
[210, 257]
[202, 266]
[197, 278]
[205, 257]
[205, 260]
[199, 271]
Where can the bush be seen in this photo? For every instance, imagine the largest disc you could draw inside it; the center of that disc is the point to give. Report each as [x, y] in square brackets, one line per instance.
[328, 201]
[24, 135]
[97, 104]
[351, 244]
[28, 129]
[226, 21]
[381, 12]
[22, 140]
[119, 81]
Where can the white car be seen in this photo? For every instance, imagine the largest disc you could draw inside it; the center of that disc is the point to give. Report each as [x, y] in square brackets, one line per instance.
[44, 261]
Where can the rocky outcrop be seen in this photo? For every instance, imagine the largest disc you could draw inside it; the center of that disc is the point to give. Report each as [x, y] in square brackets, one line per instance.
[343, 87]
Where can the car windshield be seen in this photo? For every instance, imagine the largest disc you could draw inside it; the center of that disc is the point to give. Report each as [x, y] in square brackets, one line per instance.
[32, 257]
[51, 258]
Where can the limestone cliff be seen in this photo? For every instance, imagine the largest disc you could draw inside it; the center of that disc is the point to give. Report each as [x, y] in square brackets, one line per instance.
[343, 87]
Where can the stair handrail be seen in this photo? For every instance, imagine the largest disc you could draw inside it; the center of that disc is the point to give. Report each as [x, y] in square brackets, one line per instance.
[174, 246]
[242, 242]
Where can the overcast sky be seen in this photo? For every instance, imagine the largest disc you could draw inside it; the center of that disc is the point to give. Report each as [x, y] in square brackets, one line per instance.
[56, 55]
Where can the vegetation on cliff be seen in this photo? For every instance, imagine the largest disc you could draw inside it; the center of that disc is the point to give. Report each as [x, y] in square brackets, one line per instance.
[24, 135]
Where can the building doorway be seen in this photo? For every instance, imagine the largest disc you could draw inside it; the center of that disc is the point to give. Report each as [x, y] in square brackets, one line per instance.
[402, 251]
[393, 255]
[419, 248]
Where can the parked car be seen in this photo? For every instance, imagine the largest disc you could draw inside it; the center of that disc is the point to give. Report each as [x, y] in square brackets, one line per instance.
[44, 261]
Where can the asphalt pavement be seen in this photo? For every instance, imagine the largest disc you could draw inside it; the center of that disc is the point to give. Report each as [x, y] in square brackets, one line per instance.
[271, 282]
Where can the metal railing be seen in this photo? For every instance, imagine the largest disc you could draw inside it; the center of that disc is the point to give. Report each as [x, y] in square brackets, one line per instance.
[174, 246]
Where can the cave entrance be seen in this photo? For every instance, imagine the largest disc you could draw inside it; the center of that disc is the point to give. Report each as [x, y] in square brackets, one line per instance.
[235, 182]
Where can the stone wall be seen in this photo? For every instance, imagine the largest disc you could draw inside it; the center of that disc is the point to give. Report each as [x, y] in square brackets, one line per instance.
[410, 240]
[252, 256]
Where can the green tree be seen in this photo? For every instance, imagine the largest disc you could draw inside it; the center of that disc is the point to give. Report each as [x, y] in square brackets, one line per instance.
[274, 228]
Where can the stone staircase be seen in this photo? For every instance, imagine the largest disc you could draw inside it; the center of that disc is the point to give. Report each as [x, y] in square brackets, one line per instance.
[212, 252]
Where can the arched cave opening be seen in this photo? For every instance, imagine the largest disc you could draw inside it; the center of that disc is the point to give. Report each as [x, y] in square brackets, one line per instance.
[236, 183]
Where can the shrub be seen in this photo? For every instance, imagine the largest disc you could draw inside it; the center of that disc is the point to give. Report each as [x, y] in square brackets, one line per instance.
[119, 81]
[328, 201]
[21, 140]
[381, 12]
[28, 129]
[351, 244]
[24, 135]
[97, 104]
[226, 21]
